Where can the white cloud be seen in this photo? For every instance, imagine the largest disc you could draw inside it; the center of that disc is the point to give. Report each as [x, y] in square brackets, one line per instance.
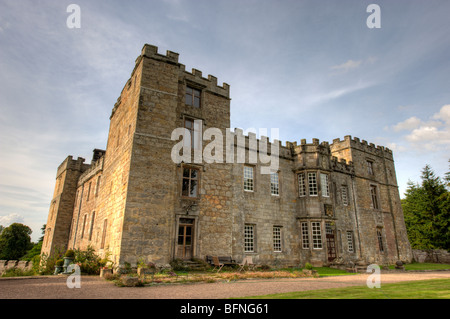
[433, 134]
[409, 124]
[11, 219]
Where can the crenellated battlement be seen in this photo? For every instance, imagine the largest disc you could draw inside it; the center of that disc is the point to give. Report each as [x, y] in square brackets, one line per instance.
[362, 145]
[210, 83]
[70, 164]
[284, 151]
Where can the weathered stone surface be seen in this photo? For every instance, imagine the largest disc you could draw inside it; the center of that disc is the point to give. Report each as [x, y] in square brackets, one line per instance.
[130, 281]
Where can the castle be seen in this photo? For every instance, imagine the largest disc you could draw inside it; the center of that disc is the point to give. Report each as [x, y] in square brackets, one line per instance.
[325, 203]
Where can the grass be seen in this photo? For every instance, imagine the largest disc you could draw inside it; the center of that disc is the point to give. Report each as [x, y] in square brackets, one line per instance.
[424, 266]
[424, 289]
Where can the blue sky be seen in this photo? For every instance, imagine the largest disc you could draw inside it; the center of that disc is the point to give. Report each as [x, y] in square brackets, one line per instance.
[313, 69]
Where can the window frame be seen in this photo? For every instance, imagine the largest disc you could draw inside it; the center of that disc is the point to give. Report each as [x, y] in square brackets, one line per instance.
[305, 235]
[316, 235]
[190, 179]
[325, 184]
[345, 199]
[190, 97]
[195, 133]
[313, 187]
[380, 240]
[350, 241]
[277, 239]
[249, 238]
[370, 166]
[374, 197]
[249, 187]
[275, 185]
[301, 184]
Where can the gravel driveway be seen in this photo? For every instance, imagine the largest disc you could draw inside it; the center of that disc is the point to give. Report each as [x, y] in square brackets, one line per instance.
[54, 287]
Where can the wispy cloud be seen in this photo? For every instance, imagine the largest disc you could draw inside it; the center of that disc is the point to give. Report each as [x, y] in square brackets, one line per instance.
[347, 66]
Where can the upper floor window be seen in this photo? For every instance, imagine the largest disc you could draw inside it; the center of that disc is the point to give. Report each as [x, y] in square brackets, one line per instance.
[324, 185]
[274, 184]
[373, 194]
[194, 128]
[190, 182]
[301, 185]
[312, 184]
[193, 97]
[344, 194]
[248, 178]
[370, 167]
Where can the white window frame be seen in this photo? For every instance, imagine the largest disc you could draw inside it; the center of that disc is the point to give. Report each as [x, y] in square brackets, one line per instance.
[249, 238]
[249, 180]
[277, 245]
[305, 235]
[350, 242]
[274, 184]
[316, 233]
[312, 184]
[324, 183]
[301, 185]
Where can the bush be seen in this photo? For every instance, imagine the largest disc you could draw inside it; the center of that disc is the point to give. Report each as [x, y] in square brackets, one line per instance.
[88, 261]
[178, 265]
[69, 254]
[59, 262]
[308, 266]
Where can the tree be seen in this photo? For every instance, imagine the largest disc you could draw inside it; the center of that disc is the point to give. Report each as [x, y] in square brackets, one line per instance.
[36, 248]
[15, 240]
[426, 209]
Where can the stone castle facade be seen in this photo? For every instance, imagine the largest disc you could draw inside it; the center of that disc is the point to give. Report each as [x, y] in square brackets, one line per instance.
[325, 203]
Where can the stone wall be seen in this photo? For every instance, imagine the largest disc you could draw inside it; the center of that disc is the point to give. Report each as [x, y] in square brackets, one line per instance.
[431, 256]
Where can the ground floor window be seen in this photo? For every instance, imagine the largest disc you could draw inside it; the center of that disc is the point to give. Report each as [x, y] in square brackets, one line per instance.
[305, 236]
[249, 238]
[316, 235]
[380, 240]
[350, 241]
[277, 238]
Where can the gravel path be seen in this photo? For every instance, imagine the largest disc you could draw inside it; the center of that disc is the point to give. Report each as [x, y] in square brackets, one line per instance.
[54, 287]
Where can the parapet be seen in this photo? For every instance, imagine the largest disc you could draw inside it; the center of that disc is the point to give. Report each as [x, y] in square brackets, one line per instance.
[210, 83]
[362, 145]
[70, 164]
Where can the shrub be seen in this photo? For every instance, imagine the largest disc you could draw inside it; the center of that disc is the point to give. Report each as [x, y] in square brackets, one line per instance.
[178, 265]
[69, 253]
[88, 261]
[308, 266]
[59, 262]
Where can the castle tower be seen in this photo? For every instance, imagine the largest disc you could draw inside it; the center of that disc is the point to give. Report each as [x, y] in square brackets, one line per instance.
[380, 220]
[62, 205]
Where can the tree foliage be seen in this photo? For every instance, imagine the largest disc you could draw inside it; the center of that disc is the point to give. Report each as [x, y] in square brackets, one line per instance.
[426, 208]
[15, 241]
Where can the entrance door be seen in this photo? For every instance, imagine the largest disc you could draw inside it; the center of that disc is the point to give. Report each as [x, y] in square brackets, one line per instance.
[331, 243]
[185, 238]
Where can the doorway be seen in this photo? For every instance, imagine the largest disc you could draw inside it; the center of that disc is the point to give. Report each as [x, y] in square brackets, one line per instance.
[185, 241]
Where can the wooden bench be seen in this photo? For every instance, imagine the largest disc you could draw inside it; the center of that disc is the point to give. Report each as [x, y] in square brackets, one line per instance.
[226, 260]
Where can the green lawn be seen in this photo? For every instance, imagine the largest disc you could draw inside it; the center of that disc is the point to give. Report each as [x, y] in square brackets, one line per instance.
[424, 266]
[426, 289]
